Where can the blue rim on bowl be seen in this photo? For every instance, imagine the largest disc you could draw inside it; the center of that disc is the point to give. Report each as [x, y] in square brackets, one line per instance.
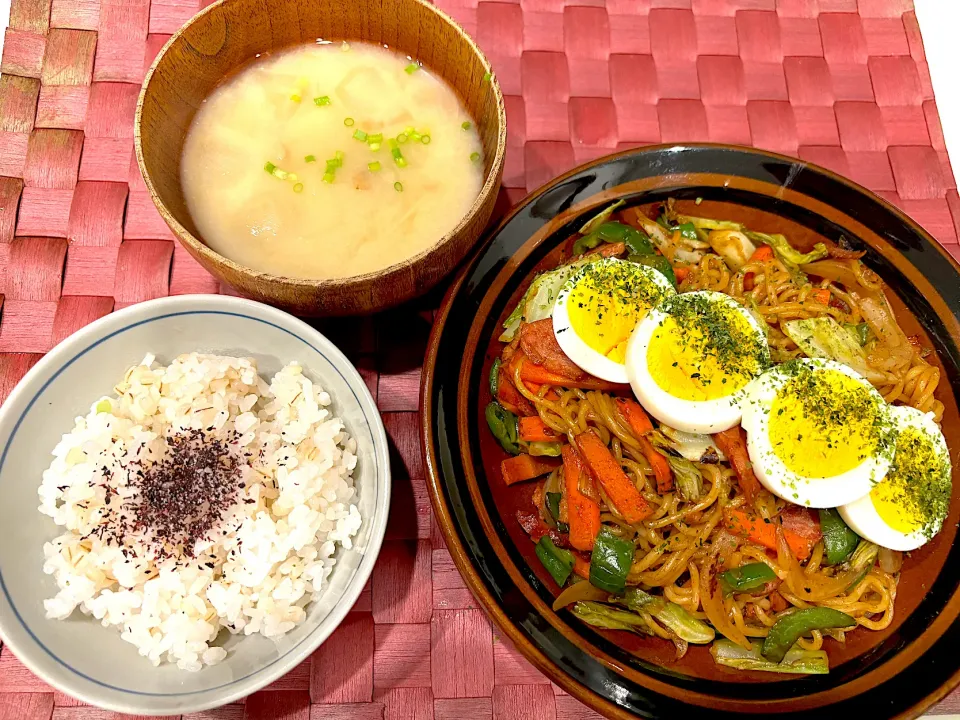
[188, 323]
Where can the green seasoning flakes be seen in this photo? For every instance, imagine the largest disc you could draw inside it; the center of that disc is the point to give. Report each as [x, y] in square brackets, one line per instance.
[322, 100]
[374, 166]
[411, 68]
[915, 496]
[310, 158]
[823, 422]
[466, 125]
[487, 77]
[296, 98]
[712, 328]
[474, 157]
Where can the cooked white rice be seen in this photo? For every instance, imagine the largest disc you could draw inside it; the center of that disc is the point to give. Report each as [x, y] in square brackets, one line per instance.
[271, 555]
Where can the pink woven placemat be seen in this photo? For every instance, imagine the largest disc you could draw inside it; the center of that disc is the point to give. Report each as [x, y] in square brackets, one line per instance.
[842, 83]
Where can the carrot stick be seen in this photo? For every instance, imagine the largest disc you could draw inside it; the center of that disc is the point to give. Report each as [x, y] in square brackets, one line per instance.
[511, 399]
[733, 444]
[526, 467]
[821, 295]
[640, 423]
[583, 513]
[751, 526]
[533, 429]
[581, 567]
[762, 253]
[635, 416]
[661, 468]
[538, 375]
[607, 471]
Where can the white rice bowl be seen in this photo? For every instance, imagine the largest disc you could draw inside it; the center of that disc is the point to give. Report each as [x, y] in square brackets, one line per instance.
[270, 553]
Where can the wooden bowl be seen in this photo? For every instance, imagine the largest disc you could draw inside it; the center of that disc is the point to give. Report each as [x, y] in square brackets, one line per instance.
[230, 33]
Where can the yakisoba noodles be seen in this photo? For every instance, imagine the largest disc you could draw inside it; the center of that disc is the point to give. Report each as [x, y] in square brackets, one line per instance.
[697, 536]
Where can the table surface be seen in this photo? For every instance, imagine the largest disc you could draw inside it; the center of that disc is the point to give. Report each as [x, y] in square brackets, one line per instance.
[838, 82]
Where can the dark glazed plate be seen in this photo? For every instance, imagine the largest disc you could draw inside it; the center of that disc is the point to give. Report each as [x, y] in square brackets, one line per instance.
[898, 672]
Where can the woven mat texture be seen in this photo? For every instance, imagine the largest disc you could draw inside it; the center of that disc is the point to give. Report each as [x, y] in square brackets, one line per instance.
[842, 83]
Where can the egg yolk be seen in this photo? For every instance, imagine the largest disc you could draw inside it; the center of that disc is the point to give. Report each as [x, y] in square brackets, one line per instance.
[916, 491]
[703, 358]
[607, 302]
[824, 423]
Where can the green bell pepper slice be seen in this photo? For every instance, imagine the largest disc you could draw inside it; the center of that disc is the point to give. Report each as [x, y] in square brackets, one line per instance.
[746, 577]
[610, 562]
[791, 627]
[839, 541]
[557, 561]
[504, 426]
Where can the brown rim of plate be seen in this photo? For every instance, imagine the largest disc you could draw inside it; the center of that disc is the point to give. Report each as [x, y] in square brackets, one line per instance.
[446, 521]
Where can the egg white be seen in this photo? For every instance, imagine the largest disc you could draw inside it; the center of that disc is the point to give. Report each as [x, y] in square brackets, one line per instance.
[693, 416]
[773, 473]
[862, 516]
[574, 346]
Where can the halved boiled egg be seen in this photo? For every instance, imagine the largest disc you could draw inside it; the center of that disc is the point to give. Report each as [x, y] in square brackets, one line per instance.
[691, 357]
[598, 308]
[818, 433]
[908, 507]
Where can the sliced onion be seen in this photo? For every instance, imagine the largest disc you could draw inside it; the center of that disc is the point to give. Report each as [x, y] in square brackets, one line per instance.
[890, 560]
[577, 592]
[711, 600]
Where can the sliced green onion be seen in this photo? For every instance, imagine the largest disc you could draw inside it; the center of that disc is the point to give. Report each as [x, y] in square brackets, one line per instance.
[322, 100]
[310, 158]
[332, 166]
[411, 68]
[298, 188]
[103, 406]
[402, 138]
[466, 125]
[328, 177]
[359, 135]
[398, 186]
[474, 157]
[487, 77]
[348, 122]
[374, 147]
[338, 155]
[408, 130]
[276, 172]
[292, 177]
[397, 155]
[374, 166]
[415, 136]
[296, 98]
[375, 137]
[425, 139]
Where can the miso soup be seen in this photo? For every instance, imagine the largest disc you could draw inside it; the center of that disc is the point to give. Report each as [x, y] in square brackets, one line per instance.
[330, 160]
